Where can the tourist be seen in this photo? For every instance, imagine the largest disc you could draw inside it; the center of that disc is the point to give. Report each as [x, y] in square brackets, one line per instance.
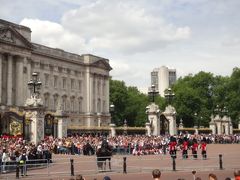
[80, 177]
[237, 174]
[106, 178]
[212, 176]
[156, 174]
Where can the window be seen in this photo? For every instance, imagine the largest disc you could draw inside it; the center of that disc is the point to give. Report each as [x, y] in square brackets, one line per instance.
[55, 81]
[72, 104]
[99, 105]
[72, 83]
[104, 106]
[80, 102]
[80, 86]
[93, 87]
[46, 100]
[64, 100]
[55, 101]
[64, 83]
[103, 89]
[98, 87]
[46, 77]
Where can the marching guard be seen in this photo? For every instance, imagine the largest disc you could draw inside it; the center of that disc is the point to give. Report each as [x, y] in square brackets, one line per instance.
[204, 148]
[194, 148]
[185, 148]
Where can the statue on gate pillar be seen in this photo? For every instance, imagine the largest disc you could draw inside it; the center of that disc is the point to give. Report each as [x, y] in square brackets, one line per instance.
[153, 112]
[153, 124]
[170, 112]
[35, 110]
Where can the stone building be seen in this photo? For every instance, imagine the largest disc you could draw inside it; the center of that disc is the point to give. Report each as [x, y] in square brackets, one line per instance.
[80, 83]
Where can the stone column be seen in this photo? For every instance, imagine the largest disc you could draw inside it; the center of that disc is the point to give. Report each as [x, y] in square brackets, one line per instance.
[19, 82]
[37, 124]
[148, 133]
[9, 80]
[219, 128]
[1, 58]
[170, 114]
[212, 126]
[29, 76]
[238, 124]
[62, 128]
[113, 130]
[230, 128]
[107, 95]
[227, 128]
[99, 119]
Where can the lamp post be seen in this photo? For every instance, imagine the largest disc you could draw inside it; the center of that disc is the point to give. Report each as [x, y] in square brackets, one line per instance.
[125, 127]
[34, 85]
[196, 119]
[169, 95]
[111, 110]
[153, 92]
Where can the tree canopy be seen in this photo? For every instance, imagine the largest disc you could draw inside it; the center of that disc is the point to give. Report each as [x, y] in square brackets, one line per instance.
[196, 98]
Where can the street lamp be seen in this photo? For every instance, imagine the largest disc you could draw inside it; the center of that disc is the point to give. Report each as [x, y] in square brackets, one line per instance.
[111, 110]
[125, 127]
[153, 92]
[196, 119]
[169, 95]
[34, 85]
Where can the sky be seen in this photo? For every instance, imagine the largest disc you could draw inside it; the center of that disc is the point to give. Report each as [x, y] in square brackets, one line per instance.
[137, 35]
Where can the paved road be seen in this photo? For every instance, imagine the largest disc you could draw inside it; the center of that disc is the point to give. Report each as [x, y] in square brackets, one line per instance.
[140, 167]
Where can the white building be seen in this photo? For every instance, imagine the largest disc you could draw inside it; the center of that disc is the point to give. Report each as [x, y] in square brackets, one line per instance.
[162, 78]
[79, 82]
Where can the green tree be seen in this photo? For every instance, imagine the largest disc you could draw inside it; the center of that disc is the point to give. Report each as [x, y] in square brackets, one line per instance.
[118, 97]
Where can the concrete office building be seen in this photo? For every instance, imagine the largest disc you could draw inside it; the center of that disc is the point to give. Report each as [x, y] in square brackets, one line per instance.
[162, 78]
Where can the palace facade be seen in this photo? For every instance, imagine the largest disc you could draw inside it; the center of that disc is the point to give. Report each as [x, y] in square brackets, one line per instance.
[80, 83]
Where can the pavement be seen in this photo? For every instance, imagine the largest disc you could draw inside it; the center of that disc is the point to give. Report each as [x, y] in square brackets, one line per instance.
[140, 167]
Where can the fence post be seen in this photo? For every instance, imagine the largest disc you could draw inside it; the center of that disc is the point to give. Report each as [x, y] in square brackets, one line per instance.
[174, 163]
[220, 161]
[17, 170]
[124, 165]
[72, 167]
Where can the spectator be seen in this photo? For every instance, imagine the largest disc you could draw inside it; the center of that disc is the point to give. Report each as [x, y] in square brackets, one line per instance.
[237, 174]
[106, 178]
[156, 174]
[212, 176]
[80, 177]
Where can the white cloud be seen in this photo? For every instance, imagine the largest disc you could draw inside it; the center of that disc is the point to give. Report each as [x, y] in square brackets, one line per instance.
[122, 27]
[137, 36]
[110, 26]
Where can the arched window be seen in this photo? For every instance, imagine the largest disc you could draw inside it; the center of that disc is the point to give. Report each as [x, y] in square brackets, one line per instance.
[72, 102]
[64, 102]
[55, 101]
[46, 100]
[80, 105]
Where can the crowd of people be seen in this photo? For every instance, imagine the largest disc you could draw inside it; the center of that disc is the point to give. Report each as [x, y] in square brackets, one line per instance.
[12, 149]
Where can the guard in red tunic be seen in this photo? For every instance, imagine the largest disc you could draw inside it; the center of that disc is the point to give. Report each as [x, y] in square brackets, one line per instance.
[194, 148]
[204, 149]
[185, 148]
[172, 147]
